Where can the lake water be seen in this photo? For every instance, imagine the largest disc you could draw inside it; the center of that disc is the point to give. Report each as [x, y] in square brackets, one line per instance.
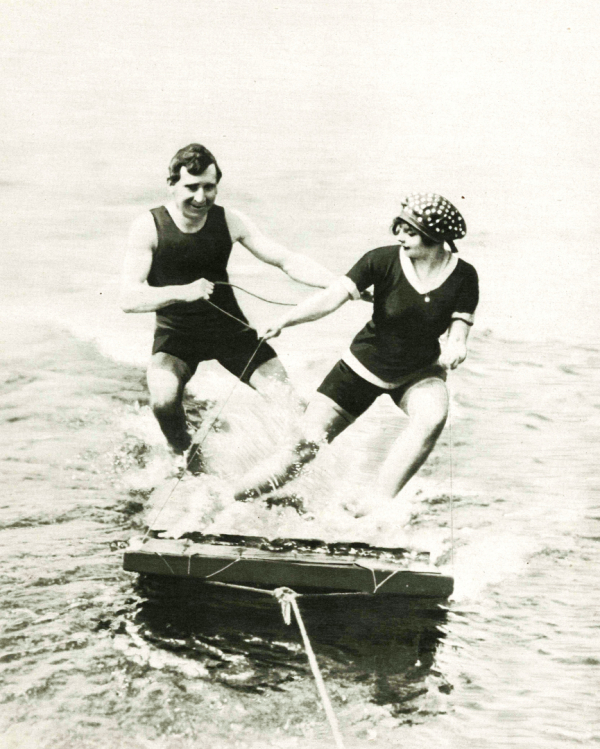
[322, 117]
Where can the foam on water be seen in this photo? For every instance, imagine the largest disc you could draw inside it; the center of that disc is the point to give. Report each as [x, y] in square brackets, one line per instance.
[99, 96]
[487, 559]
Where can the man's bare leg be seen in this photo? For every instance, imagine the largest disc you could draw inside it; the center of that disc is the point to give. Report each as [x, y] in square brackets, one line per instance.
[272, 381]
[167, 377]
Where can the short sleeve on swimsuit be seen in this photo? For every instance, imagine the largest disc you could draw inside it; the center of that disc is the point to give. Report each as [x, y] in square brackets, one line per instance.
[467, 297]
[361, 273]
[350, 287]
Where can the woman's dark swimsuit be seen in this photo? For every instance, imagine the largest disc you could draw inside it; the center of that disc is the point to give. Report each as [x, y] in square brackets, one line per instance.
[196, 331]
[400, 344]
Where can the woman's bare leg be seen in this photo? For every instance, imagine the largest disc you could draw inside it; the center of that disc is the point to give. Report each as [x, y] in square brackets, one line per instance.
[321, 423]
[426, 404]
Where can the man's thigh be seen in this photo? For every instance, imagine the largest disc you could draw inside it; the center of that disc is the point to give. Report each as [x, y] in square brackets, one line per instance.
[269, 371]
[244, 354]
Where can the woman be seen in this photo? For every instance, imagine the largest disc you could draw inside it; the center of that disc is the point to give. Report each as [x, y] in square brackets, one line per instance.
[421, 291]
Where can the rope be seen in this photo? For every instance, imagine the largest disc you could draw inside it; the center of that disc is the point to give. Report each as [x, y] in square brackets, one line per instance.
[451, 436]
[251, 293]
[158, 554]
[383, 582]
[377, 585]
[270, 592]
[233, 317]
[287, 599]
[218, 572]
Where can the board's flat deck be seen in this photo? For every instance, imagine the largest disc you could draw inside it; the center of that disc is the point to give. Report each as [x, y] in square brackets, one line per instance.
[256, 567]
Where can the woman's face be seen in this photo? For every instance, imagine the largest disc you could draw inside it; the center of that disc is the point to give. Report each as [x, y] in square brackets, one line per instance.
[411, 241]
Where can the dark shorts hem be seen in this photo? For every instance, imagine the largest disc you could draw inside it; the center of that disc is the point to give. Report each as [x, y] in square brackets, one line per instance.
[355, 394]
[239, 353]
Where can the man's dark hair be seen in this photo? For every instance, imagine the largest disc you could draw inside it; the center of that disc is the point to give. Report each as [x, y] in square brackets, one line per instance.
[195, 158]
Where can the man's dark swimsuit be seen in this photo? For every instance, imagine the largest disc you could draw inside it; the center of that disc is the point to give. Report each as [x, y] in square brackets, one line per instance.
[196, 331]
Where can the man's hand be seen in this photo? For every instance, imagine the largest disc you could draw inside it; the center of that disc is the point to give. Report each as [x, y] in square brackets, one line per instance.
[200, 289]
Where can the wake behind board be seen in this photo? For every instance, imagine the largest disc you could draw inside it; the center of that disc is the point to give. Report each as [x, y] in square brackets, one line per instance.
[299, 564]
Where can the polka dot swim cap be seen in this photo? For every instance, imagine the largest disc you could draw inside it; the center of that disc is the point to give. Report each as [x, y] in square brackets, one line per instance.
[433, 216]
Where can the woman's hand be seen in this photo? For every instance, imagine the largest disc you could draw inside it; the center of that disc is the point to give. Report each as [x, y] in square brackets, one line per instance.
[455, 349]
[454, 354]
[269, 331]
[316, 306]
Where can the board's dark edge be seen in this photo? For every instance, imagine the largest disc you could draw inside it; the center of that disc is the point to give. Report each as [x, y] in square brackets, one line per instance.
[269, 572]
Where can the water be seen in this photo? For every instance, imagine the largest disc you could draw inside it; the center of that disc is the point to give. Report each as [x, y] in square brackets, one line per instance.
[321, 116]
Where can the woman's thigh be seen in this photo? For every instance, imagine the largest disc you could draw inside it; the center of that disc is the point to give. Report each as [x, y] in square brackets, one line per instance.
[426, 402]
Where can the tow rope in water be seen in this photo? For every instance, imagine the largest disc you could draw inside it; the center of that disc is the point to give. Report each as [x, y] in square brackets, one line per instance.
[287, 601]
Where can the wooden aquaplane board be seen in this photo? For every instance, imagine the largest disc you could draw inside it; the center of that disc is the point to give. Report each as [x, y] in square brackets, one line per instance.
[240, 565]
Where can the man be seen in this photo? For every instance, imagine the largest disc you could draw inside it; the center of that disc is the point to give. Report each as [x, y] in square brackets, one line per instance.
[176, 266]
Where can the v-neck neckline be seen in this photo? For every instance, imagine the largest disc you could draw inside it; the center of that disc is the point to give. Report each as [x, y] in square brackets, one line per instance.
[180, 230]
[433, 283]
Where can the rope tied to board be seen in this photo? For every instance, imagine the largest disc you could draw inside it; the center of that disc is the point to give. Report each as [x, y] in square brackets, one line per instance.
[288, 601]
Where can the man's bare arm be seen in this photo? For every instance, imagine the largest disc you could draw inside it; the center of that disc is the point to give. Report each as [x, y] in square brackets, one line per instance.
[297, 266]
[136, 295]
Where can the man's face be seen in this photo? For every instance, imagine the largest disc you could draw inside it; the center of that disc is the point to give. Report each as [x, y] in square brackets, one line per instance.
[195, 194]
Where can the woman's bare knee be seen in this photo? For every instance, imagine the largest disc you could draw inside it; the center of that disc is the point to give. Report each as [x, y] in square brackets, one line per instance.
[426, 405]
